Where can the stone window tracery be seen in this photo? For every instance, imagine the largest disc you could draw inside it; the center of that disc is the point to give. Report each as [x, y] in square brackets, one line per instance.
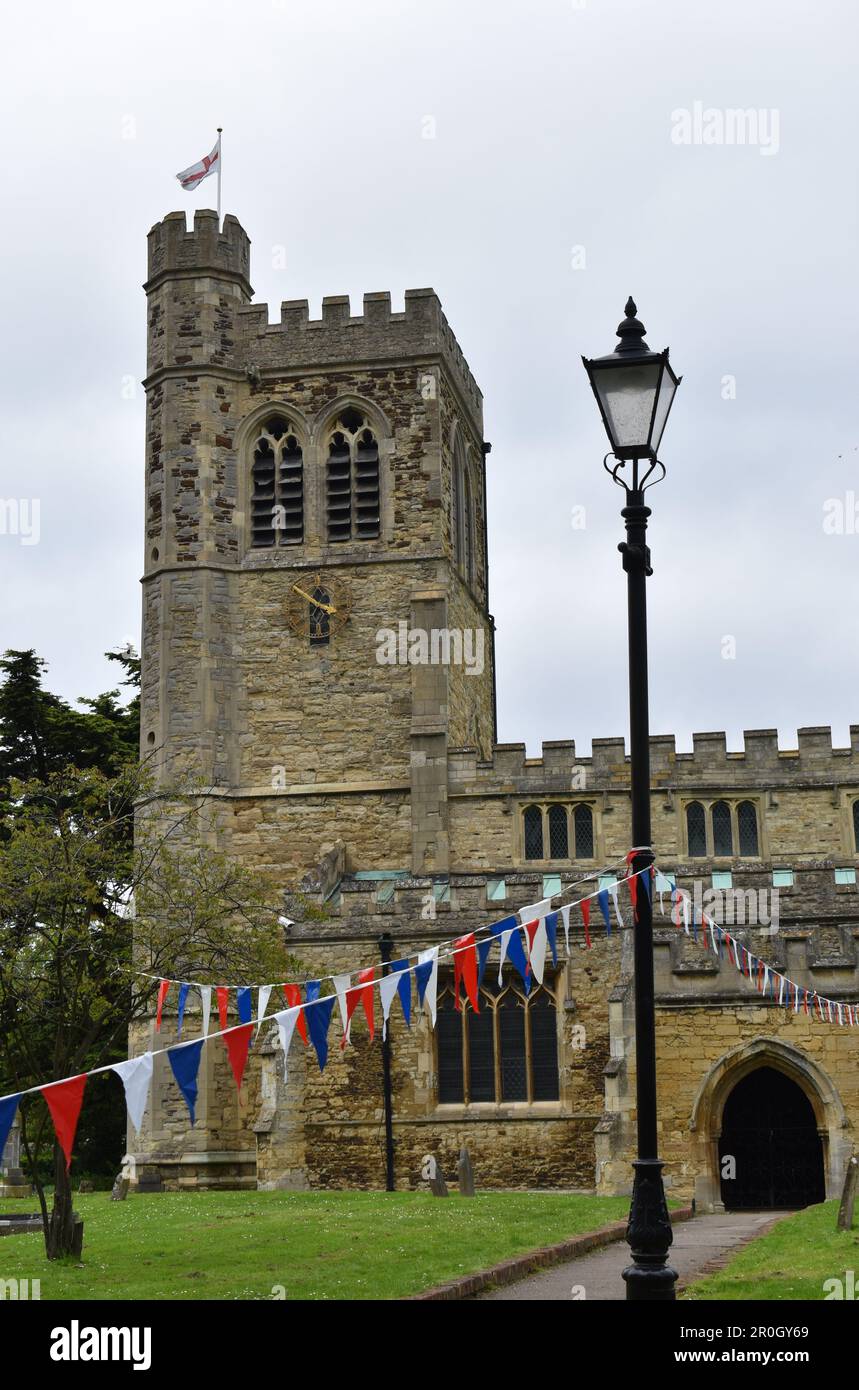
[507, 1052]
[277, 486]
[352, 488]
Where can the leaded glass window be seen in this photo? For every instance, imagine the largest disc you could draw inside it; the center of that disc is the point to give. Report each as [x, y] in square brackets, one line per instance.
[696, 829]
[723, 835]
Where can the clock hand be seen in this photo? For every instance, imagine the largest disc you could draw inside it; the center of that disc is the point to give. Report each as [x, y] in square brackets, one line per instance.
[317, 603]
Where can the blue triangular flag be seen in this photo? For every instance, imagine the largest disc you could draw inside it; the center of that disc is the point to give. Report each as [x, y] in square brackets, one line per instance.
[404, 988]
[311, 990]
[183, 996]
[648, 883]
[515, 948]
[185, 1061]
[244, 1004]
[483, 949]
[602, 899]
[552, 934]
[422, 974]
[8, 1108]
[318, 1021]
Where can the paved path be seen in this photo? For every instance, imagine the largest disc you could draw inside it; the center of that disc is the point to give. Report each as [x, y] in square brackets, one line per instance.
[696, 1243]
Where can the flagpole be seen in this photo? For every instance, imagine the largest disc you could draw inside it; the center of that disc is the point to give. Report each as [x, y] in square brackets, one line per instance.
[220, 128]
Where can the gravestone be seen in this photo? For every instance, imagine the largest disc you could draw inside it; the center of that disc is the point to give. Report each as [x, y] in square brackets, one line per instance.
[149, 1178]
[120, 1188]
[465, 1174]
[86, 1185]
[12, 1180]
[431, 1173]
[848, 1196]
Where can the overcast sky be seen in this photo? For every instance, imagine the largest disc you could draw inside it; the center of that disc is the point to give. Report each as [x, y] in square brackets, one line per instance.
[554, 185]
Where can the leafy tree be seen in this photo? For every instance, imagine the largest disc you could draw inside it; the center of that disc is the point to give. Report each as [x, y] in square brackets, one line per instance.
[73, 876]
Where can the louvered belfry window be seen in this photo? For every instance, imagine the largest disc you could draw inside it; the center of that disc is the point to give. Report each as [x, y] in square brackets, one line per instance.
[277, 486]
[352, 497]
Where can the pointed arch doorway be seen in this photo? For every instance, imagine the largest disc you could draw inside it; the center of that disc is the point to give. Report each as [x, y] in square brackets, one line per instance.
[770, 1149]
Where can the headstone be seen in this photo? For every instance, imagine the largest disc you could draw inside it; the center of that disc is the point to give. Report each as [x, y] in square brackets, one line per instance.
[120, 1189]
[848, 1196]
[149, 1178]
[86, 1185]
[77, 1236]
[431, 1173]
[465, 1174]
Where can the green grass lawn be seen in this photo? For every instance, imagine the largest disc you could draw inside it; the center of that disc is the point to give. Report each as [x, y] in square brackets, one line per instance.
[792, 1262]
[367, 1245]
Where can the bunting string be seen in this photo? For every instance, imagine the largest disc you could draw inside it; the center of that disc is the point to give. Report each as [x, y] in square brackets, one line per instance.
[525, 938]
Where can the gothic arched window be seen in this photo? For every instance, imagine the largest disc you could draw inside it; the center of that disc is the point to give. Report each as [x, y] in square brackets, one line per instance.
[507, 1052]
[559, 847]
[352, 496]
[747, 827]
[583, 818]
[696, 830]
[856, 826]
[533, 825]
[277, 486]
[723, 835]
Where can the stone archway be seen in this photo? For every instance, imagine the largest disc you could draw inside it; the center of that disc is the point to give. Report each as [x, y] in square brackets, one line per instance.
[709, 1106]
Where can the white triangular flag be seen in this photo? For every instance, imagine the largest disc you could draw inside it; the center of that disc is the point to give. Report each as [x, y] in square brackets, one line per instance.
[662, 885]
[262, 1002]
[136, 1075]
[431, 991]
[540, 909]
[685, 901]
[286, 1020]
[613, 893]
[504, 939]
[537, 948]
[341, 984]
[388, 986]
[206, 997]
[565, 918]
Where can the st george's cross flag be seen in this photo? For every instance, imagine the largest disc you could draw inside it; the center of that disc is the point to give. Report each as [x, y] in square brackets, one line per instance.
[195, 173]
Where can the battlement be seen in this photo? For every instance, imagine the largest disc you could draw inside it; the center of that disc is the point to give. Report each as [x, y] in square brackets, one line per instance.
[376, 335]
[761, 762]
[420, 334]
[173, 249]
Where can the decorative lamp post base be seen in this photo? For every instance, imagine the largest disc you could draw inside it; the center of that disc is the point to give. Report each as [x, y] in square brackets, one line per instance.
[649, 1234]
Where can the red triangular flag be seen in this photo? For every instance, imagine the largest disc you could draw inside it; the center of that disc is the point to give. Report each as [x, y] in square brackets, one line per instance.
[237, 1041]
[586, 918]
[223, 994]
[292, 995]
[365, 995]
[531, 932]
[64, 1102]
[465, 968]
[163, 986]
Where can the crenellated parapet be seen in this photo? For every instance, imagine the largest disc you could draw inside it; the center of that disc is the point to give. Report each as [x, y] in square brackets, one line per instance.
[760, 763]
[420, 333]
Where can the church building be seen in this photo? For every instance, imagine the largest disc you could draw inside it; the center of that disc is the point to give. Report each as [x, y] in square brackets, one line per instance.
[318, 651]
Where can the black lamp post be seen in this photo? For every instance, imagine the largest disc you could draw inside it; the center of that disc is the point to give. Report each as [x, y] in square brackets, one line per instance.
[634, 388]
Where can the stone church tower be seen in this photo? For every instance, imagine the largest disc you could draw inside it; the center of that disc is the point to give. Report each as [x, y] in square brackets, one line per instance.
[340, 460]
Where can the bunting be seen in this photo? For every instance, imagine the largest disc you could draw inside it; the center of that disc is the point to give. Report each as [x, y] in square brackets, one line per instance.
[136, 1078]
[185, 1064]
[65, 1099]
[465, 970]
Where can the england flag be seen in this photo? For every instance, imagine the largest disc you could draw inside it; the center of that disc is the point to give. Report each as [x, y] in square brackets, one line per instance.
[209, 164]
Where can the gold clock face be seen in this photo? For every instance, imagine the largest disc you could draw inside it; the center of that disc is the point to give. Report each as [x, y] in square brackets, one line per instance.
[317, 607]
